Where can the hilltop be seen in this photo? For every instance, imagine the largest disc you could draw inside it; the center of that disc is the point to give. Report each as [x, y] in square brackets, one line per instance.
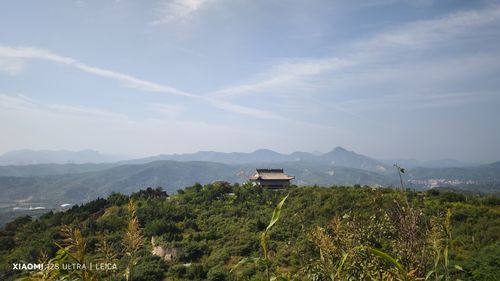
[209, 229]
[49, 186]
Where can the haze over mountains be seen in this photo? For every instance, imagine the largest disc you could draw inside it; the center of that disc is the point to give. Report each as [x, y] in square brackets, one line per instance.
[32, 157]
[440, 163]
[338, 157]
[60, 182]
[339, 154]
[339, 166]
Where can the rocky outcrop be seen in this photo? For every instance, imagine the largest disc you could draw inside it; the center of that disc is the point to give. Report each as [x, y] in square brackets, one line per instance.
[167, 254]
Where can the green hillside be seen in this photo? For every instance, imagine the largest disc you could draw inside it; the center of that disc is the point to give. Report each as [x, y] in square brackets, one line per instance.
[56, 189]
[215, 232]
[51, 169]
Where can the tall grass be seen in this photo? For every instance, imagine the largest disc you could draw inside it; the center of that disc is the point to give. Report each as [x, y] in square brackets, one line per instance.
[73, 250]
[263, 243]
[132, 242]
[416, 246]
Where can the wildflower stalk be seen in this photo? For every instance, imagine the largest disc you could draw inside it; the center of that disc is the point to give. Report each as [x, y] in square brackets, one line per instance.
[132, 241]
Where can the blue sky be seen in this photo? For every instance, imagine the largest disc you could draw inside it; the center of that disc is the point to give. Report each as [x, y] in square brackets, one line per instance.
[389, 79]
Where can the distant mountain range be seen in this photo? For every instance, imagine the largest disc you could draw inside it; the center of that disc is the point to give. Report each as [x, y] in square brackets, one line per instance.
[51, 185]
[32, 157]
[51, 169]
[172, 175]
[338, 157]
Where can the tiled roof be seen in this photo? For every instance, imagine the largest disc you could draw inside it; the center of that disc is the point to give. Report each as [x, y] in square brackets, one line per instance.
[271, 174]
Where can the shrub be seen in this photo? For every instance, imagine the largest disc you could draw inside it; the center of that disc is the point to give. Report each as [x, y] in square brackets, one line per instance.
[219, 274]
[149, 269]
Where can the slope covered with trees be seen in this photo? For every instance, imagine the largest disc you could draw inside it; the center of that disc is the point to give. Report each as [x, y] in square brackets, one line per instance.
[215, 232]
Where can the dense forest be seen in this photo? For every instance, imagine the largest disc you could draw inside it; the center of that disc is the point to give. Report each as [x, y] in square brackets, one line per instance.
[221, 231]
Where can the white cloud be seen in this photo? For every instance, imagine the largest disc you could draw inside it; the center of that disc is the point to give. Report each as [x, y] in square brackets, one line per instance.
[79, 3]
[287, 72]
[33, 53]
[25, 53]
[295, 72]
[41, 125]
[23, 103]
[250, 111]
[168, 110]
[291, 72]
[426, 32]
[133, 82]
[175, 10]
[412, 100]
[437, 74]
[11, 66]
[12, 60]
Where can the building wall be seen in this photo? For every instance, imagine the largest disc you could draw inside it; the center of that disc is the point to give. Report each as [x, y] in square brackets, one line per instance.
[274, 183]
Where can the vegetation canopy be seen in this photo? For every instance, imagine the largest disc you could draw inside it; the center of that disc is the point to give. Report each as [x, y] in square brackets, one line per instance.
[239, 232]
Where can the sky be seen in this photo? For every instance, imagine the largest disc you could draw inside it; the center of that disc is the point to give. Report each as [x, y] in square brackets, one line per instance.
[389, 79]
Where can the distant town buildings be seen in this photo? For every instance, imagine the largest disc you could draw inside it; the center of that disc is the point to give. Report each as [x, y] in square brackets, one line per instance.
[433, 183]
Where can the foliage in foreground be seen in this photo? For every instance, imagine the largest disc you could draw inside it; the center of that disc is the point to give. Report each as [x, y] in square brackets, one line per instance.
[318, 234]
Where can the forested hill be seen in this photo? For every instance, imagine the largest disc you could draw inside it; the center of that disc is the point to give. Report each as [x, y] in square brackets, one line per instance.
[223, 232]
[54, 190]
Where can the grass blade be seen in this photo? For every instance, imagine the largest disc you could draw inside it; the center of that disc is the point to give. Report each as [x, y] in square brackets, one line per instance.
[276, 213]
[389, 260]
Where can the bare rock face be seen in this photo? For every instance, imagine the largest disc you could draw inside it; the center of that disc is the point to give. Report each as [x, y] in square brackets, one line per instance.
[167, 254]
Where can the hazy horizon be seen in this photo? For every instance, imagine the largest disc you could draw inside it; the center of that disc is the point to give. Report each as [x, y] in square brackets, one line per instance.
[121, 157]
[386, 79]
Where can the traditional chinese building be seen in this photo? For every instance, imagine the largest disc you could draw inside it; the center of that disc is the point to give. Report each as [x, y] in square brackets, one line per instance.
[271, 178]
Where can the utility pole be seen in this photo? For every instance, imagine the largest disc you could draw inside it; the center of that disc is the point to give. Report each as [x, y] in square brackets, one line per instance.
[400, 171]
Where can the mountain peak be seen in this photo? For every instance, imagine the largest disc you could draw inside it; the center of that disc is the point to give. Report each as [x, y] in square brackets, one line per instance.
[265, 150]
[340, 149]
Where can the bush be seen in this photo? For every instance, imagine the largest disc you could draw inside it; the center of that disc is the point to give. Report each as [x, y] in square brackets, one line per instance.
[177, 271]
[117, 199]
[452, 197]
[149, 269]
[193, 252]
[219, 274]
[196, 272]
[6, 243]
[160, 226]
[17, 223]
[486, 263]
